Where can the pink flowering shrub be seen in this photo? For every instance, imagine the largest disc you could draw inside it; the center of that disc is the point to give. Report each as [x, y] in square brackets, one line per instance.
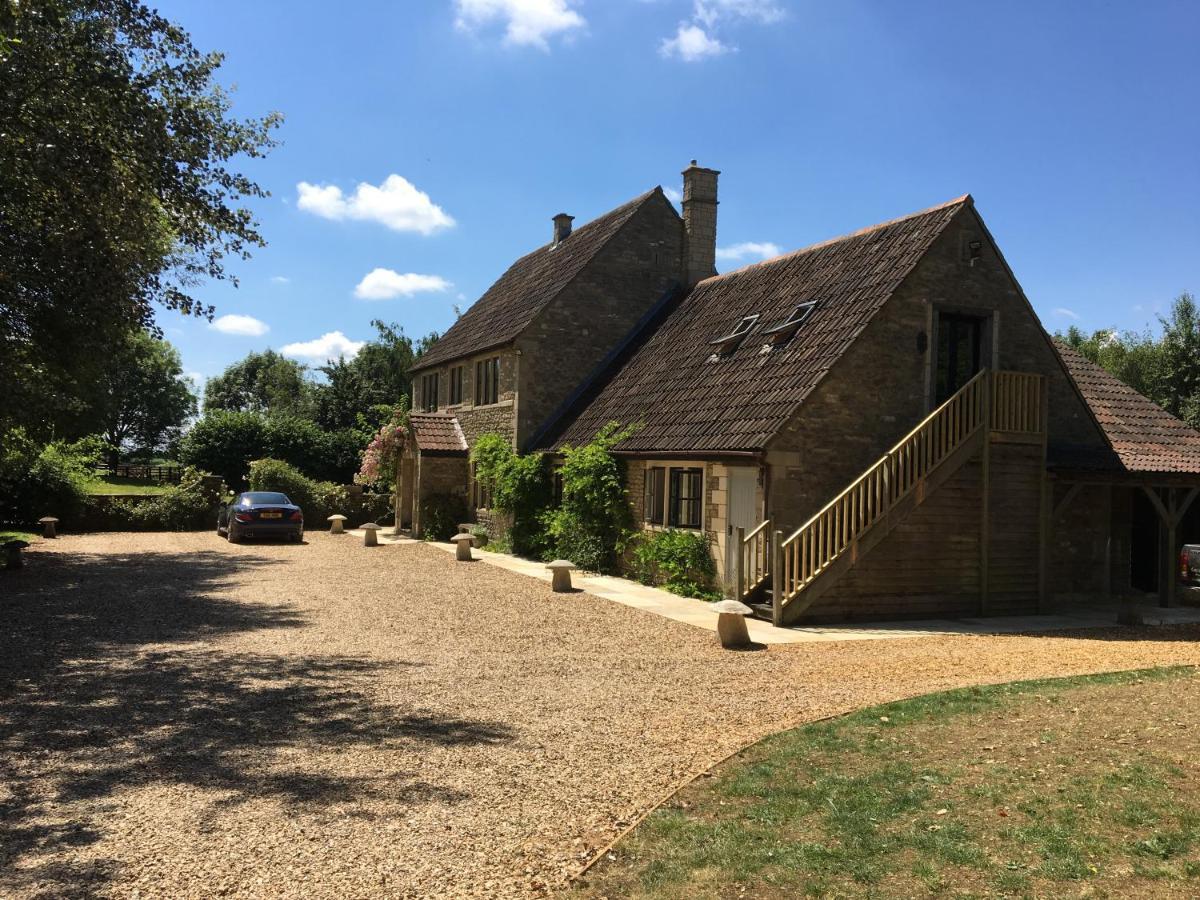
[382, 455]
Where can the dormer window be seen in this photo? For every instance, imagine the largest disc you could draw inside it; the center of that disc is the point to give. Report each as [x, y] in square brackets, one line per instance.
[789, 326]
[731, 341]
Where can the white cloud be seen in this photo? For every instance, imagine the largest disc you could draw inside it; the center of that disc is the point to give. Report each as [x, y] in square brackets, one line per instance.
[762, 11]
[1066, 313]
[526, 22]
[696, 38]
[247, 326]
[692, 44]
[280, 279]
[384, 284]
[395, 203]
[748, 250]
[673, 195]
[327, 347]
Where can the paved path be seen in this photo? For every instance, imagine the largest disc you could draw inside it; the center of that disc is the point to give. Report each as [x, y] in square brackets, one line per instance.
[699, 613]
[182, 717]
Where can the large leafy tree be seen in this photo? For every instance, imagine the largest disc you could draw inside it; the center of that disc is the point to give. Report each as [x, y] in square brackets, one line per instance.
[141, 397]
[116, 190]
[1165, 368]
[378, 376]
[265, 382]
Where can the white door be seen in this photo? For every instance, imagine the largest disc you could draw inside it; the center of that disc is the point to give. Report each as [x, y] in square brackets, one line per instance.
[743, 513]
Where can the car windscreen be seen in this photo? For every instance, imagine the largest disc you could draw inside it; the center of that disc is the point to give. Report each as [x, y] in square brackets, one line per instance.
[257, 497]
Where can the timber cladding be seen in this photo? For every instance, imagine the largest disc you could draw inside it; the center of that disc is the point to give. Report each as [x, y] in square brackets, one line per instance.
[930, 565]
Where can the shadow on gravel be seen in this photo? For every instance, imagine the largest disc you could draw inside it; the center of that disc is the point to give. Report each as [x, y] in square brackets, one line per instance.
[91, 703]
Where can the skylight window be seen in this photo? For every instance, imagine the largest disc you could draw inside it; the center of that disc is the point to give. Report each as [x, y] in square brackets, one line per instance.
[789, 326]
[734, 338]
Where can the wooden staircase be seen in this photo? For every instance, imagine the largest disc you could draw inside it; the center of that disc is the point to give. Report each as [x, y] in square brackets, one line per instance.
[781, 577]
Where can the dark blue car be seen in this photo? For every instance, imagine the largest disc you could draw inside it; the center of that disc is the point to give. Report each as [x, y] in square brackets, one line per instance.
[259, 513]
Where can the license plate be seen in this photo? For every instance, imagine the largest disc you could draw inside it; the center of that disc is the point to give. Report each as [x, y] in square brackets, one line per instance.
[275, 515]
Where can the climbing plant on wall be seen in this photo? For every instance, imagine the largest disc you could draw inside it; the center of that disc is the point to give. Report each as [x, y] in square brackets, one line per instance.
[593, 522]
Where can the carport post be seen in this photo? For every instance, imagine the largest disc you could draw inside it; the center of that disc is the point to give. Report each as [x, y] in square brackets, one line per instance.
[1170, 515]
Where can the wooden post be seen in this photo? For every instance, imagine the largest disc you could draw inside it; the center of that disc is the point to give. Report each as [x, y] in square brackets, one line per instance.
[777, 578]
[1046, 505]
[1169, 550]
[740, 564]
[985, 498]
[1108, 544]
[1045, 541]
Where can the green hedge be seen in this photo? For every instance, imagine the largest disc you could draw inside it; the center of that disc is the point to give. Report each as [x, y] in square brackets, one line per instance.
[43, 480]
[226, 442]
[680, 561]
[190, 505]
[440, 515]
[319, 499]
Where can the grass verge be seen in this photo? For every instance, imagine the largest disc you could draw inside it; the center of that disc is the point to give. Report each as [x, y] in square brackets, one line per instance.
[109, 485]
[1081, 786]
[14, 535]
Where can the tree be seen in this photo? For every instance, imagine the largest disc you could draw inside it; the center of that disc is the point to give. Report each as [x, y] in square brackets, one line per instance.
[116, 191]
[1180, 372]
[1165, 369]
[265, 382]
[378, 376]
[141, 396]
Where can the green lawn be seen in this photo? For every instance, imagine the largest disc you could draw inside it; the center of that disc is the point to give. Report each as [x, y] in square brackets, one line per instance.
[1073, 787]
[12, 535]
[111, 484]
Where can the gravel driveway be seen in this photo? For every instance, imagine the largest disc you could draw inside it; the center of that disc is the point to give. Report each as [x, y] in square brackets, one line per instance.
[182, 717]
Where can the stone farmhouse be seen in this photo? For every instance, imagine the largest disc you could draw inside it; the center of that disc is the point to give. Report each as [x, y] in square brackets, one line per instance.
[877, 426]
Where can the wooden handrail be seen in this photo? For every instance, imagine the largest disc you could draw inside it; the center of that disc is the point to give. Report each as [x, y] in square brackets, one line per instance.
[1017, 406]
[837, 526]
[754, 558]
[1006, 402]
[1002, 402]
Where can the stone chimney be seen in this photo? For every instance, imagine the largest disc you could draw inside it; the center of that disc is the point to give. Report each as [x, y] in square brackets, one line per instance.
[699, 222]
[562, 227]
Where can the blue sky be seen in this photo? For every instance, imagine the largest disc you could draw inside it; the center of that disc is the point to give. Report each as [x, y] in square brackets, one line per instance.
[469, 123]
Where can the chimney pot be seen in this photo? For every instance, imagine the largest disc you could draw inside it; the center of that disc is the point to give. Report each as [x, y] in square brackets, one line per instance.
[700, 222]
[562, 227]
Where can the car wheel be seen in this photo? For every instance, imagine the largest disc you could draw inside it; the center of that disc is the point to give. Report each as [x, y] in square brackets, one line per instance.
[232, 535]
[298, 537]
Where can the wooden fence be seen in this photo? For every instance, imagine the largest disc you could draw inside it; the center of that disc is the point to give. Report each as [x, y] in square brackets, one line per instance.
[157, 474]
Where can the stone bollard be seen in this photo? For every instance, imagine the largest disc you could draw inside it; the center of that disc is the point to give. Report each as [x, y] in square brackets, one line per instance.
[12, 554]
[48, 523]
[462, 547]
[731, 624]
[465, 527]
[370, 538]
[560, 575]
[336, 526]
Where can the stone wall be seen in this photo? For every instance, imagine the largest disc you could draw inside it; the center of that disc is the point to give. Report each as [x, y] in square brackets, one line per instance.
[715, 505]
[475, 420]
[569, 339]
[882, 387]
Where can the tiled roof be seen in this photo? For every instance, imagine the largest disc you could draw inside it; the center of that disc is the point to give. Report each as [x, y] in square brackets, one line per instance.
[689, 401]
[1145, 437]
[509, 305]
[437, 432]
